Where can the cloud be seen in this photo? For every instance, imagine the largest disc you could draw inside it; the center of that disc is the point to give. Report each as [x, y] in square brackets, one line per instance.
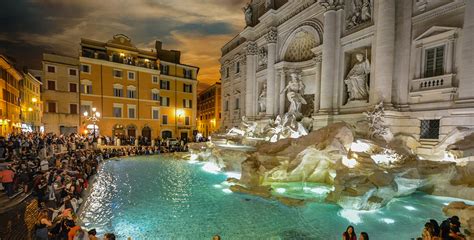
[185, 25]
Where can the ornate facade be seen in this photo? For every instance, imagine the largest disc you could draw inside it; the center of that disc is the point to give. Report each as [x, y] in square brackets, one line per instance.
[414, 56]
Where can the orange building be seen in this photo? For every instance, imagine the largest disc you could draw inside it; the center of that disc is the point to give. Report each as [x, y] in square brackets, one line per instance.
[209, 110]
[137, 92]
[10, 113]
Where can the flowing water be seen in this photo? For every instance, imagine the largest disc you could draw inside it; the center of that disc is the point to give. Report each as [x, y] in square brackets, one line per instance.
[154, 197]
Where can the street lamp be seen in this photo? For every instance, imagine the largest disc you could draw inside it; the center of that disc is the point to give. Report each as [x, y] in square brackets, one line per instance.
[94, 118]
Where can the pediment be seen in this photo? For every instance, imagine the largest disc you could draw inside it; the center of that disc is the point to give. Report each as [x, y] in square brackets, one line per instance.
[437, 31]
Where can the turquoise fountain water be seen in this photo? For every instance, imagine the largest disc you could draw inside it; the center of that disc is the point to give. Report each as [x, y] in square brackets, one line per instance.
[159, 198]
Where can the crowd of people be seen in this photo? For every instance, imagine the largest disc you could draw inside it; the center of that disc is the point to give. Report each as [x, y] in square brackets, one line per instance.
[56, 170]
[449, 229]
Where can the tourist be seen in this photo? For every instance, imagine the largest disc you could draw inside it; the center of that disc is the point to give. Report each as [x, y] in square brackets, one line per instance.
[7, 176]
[92, 234]
[435, 226]
[349, 234]
[216, 237]
[364, 236]
[428, 232]
[109, 236]
[42, 225]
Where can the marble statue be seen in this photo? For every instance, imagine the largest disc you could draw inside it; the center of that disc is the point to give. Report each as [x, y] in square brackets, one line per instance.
[295, 91]
[248, 14]
[357, 78]
[262, 57]
[246, 128]
[361, 12]
[262, 98]
[268, 4]
[377, 127]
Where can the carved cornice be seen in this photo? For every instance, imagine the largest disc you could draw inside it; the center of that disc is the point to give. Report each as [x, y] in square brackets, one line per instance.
[252, 48]
[272, 35]
[438, 12]
[332, 5]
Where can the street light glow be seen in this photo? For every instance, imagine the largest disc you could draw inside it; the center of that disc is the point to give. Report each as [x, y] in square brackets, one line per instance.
[86, 114]
[34, 100]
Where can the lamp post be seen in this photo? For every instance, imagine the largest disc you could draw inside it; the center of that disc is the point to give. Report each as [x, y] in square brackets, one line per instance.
[94, 118]
[179, 113]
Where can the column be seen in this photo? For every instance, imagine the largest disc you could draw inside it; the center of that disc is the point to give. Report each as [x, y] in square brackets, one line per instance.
[271, 38]
[466, 84]
[282, 94]
[317, 82]
[328, 76]
[251, 51]
[381, 90]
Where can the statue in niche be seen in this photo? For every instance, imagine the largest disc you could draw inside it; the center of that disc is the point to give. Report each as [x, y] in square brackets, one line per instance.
[262, 98]
[356, 80]
[361, 12]
[248, 14]
[268, 4]
[262, 57]
[295, 91]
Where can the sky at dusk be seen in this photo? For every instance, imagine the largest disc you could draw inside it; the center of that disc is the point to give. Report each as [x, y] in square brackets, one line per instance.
[198, 28]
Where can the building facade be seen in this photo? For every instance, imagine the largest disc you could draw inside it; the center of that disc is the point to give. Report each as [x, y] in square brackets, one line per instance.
[31, 104]
[138, 92]
[209, 110]
[414, 56]
[60, 94]
[10, 80]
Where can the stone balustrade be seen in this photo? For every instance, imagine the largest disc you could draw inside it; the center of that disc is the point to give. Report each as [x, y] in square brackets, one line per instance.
[423, 84]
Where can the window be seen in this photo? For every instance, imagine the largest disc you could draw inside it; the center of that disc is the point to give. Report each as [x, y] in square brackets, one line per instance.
[155, 113]
[164, 69]
[429, 129]
[237, 103]
[86, 88]
[118, 91]
[154, 79]
[51, 107]
[51, 69]
[117, 73]
[155, 96]
[72, 72]
[131, 75]
[237, 67]
[73, 108]
[226, 105]
[131, 111]
[164, 119]
[434, 61]
[131, 93]
[227, 72]
[117, 111]
[220, 116]
[85, 108]
[188, 73]
[51, 85]
[165, 101]
[165, 85]
[72, 87]
[186, 120]
[188, 88]
[85, 68]
[187, 103]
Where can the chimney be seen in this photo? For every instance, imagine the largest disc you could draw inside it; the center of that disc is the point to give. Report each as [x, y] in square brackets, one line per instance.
[158, 45]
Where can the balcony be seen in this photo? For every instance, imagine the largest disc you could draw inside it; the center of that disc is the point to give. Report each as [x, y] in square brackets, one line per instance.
[432, 89]
[127, 60]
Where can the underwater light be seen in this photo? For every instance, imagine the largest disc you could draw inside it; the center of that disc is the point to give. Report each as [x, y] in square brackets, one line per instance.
[211, 168]
[388, 220]
[217, 186]
[410, 208]
[280, 190]
[227, 190]
[359, 146]
[353, 216]
[349, 162]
